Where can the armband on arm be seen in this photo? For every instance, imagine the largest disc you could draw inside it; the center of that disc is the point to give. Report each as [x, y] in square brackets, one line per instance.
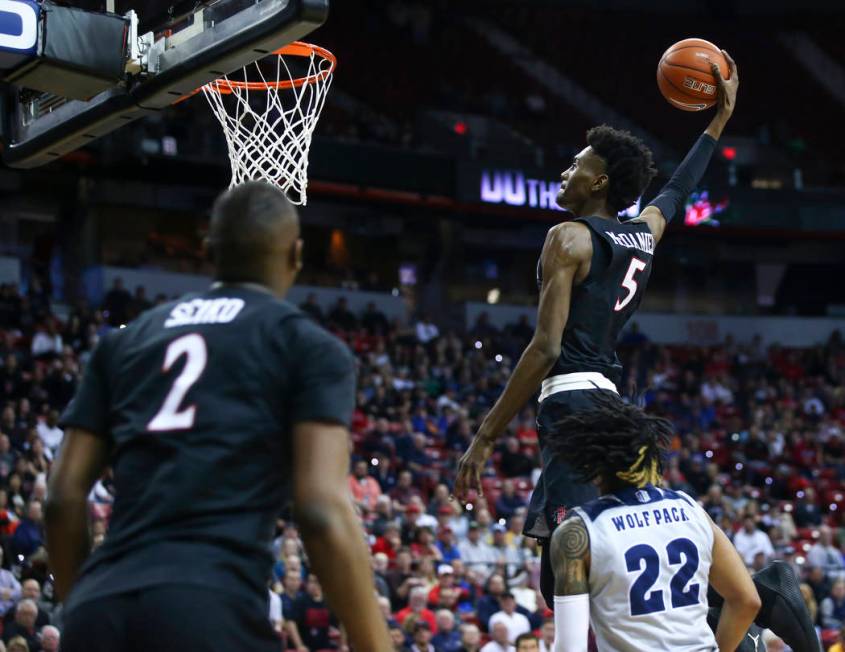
[670, 200]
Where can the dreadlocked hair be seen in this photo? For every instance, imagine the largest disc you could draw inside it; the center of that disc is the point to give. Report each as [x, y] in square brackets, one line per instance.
[630, 164]
[615, 440]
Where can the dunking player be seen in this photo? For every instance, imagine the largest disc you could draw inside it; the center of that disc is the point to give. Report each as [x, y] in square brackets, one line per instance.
[213, 410]
[592, 275]
[636, 562]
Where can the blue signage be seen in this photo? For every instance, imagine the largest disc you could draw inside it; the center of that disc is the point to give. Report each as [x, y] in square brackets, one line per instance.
[19, 21]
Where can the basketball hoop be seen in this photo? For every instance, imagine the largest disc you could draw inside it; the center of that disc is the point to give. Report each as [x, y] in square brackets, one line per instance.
[268, 123]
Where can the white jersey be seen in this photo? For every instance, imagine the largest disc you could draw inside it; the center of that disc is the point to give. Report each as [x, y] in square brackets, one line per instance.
[650, 556]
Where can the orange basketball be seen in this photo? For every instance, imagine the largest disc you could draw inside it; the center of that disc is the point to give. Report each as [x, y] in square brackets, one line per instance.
[684, 76]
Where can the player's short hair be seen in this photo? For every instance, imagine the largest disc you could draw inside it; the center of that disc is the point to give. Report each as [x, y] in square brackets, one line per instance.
[630, 164]
[615, 440]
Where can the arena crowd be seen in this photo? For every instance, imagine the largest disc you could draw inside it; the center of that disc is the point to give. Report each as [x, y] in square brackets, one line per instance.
[759, 441]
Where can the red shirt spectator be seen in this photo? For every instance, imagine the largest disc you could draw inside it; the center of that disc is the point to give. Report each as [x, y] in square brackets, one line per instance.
[416, 605]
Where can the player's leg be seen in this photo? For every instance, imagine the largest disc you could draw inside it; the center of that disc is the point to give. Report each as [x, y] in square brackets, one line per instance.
[557, 491]
[783, 610]
[99, 625]
[177, 618]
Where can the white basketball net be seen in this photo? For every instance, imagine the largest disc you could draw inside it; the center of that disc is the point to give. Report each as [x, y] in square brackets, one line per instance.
[268, 123]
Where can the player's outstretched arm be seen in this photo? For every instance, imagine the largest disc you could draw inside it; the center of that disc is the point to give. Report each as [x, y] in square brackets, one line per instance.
[332, 534]
[671, 198]
[83, 459]
[732, 581]
[570, 557]
[566, 247]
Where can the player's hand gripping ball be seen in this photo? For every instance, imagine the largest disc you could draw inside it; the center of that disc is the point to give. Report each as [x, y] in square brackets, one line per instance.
[685, 76]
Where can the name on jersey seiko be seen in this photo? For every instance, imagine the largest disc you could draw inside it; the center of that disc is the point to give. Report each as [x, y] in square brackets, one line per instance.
[642, 241]
[204, 311]
[656, 516]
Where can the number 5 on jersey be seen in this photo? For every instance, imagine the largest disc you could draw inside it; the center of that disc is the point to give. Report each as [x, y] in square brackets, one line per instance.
[629, 283]
[169, 416]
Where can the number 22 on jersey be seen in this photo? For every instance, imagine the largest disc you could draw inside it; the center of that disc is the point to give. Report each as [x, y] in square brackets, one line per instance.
[643, 599]
[170, 416]
[630, 283]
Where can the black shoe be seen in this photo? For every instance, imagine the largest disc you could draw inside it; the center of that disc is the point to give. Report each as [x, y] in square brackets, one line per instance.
[783, 610]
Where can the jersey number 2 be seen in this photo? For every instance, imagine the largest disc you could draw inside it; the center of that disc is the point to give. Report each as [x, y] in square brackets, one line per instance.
[629, 283]
[170, 417]
[642, 604]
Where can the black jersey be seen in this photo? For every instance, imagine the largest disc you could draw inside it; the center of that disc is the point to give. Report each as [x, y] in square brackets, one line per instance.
[197, 399]
[604, 301]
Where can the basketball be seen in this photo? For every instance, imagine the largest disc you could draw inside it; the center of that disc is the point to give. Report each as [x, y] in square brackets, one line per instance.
[684, 76]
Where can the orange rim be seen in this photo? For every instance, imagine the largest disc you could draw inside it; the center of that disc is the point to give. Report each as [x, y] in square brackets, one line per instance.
[295, 49]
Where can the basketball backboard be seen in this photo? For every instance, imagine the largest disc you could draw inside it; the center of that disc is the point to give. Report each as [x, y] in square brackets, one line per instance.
[173, 47]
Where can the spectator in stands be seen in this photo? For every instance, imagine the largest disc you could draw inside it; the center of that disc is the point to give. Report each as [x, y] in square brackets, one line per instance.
[50, 639]
[806, 512]
[527, 643]
[422, 638]
[140, 302]
[488, 604]
[29, 535]
[31, 590]
[275, 612]
[365, 489]
[341, 317]
[445, 582]
[826, 555]
[513, 461]
[839, 646]
[314, 620]
[500, 640]
[818, 583]
[750, 540]
[47, 342]
[470, 638]
[312, 308]
[516, 622]
[547, 640]
[50, 433]
[508, 501]
[18, 644]
[426, 330]
[374, 320]
[446, 543]
[417, 607]
[448, 638]
[403, 491]
[24, 625]
[508, 556]
[117, 303]
[832, 608]
[475, 552]
[10, 589]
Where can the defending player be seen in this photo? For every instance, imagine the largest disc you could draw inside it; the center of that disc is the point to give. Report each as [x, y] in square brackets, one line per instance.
[637, 561]
[592, 274]
[213, 410]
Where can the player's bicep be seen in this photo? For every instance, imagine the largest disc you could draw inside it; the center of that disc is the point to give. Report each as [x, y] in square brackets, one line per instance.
[728, 574]
[570, 555]
[320, 468]
[653, 216]
[83, 458]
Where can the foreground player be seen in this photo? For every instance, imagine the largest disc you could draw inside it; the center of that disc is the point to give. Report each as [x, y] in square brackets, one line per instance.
[212, 410]
[637, 561]
[593, 272]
